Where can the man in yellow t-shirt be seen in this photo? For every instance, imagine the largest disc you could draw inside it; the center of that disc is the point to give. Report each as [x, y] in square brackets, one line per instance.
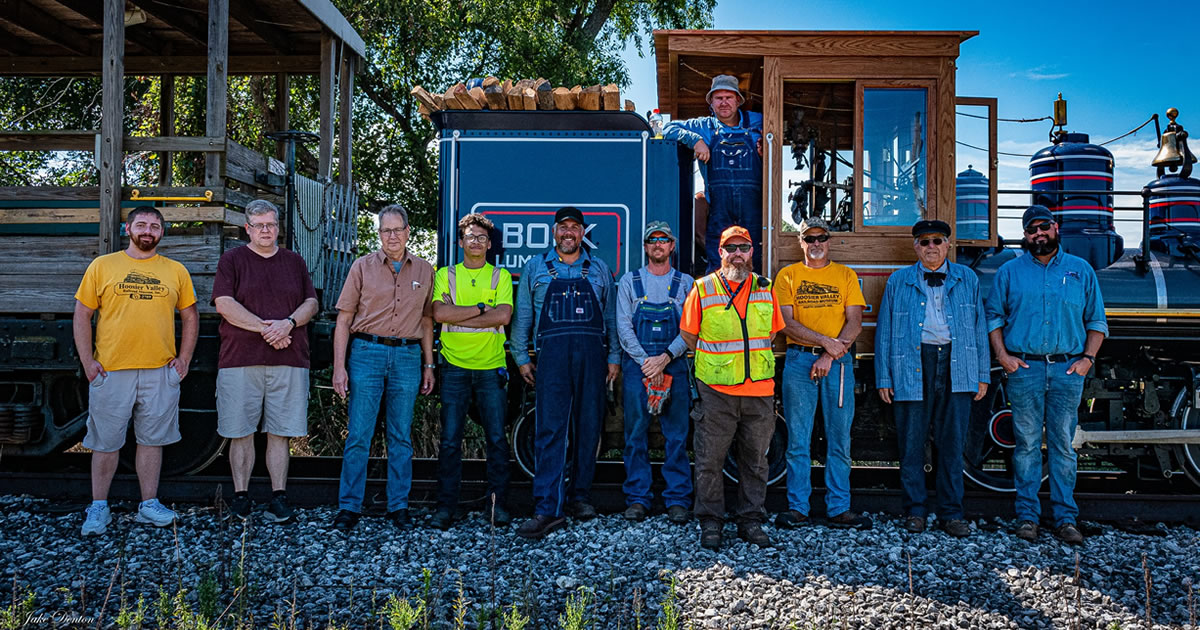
[133, 370]
[822, 306]
[473, 302]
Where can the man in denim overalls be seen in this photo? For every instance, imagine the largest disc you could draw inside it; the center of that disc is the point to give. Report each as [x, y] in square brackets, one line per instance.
[729, 147]
[571, 294]
[649, 305]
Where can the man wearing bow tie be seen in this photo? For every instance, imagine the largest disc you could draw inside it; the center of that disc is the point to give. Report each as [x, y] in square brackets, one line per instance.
[931, 358]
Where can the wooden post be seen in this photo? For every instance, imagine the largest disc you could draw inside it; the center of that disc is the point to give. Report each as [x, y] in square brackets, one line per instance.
[112, 108]
[328, 75]
[218, 85]
[166, 126]
[283, 102]
[345, 113]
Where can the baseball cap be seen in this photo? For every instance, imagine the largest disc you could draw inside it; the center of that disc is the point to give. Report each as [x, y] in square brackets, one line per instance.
[734, 231]
[569, 212]
[813, 223]
[1036, 213]
[658, 226]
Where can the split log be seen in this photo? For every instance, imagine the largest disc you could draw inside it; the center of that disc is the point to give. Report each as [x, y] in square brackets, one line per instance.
[529, 99]
[589, 98]
[495, 96]
[629, 106]
[440, 101]
[425, 98]
[545, 94]
[611, 96]
[490, 80]
[453, 101]
[477, 95]
[563, 99]
[423, 111]
[515, 101]
[506, 85]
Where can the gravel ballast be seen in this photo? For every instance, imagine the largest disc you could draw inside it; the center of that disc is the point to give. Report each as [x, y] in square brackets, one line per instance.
[814, 577]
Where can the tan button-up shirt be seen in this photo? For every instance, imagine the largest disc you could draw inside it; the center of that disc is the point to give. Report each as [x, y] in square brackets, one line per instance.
[385, 302]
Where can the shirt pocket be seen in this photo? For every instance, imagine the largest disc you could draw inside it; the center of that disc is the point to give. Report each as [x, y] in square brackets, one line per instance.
[570, 306]
[1072, 290]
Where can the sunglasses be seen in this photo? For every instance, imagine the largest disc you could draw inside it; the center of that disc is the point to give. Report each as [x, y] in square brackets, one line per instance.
[659, 239]
[1041, 227]
[820, 238]
[926, 241]
[741, 247]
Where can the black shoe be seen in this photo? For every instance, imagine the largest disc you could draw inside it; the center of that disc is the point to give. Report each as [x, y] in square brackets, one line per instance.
[677, 514]
[753, 534]
[1026, 530]
[791, 519]
[915, 524]
[345, 520]
[441, 519]
[1068, 533]
[850, 520]
[957, 528]
[635, 513]
[540, 525]
[278, 510]
[240, 507]
[710, 534]
[399, 518]
[581, 510]
[499, 516]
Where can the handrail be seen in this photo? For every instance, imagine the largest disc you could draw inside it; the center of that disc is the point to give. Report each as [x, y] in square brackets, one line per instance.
[136, 195]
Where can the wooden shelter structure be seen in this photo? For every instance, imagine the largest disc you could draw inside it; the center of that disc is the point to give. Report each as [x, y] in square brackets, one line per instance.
[858, 126]
[116, 38]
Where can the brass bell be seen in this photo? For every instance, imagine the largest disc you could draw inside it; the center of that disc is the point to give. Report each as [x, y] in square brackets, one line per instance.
[1168, 152]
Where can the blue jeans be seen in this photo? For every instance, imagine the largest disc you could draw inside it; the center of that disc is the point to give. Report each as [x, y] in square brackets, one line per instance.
[392, 374]
[946, 414]
[800, 396]
[676, 469]
[459, 385]
[1043, 395]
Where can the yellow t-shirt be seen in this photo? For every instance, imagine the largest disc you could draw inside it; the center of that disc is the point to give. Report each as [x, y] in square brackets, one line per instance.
[135, 302]
[818, 297]
[482, 350]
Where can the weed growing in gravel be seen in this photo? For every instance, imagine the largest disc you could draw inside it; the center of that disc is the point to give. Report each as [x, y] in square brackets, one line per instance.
[18, 611]
[577, 616]
[669, 616]
[400, 614]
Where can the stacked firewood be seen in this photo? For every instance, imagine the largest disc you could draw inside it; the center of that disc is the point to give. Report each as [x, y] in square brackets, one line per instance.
[521, 95]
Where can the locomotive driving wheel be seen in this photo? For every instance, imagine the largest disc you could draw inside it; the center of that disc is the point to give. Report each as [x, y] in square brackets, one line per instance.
[522, 438]
[1185, 416]
[989, 442]
[776, 455]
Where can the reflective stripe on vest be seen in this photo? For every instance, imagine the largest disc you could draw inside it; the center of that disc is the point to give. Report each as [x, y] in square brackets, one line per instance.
[728, 345]
[452, 293]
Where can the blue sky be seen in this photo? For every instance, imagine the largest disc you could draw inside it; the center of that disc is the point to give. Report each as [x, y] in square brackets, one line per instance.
[1116, 63]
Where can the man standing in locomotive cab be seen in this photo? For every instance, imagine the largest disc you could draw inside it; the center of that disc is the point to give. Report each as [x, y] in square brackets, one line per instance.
[649, 306]
[385, 324]
[729, 147]
[133, 370]
[265, 297]
[729, 319]
[932, 359]
[822, 304]
[566, 305]
[473, 302]
[1046, 321]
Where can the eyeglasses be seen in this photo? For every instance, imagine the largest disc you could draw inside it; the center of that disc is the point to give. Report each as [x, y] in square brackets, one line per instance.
[659, 239]
[820, 238]
[262, 227]
[385, 233]
[740, 247]
[475, 238]
[937, 242]
[1041, 227]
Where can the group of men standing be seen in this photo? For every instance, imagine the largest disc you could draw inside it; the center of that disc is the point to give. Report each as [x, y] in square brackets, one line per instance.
[576, 331]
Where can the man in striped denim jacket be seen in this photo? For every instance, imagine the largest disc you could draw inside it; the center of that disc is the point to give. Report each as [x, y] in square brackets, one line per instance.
[931, 359]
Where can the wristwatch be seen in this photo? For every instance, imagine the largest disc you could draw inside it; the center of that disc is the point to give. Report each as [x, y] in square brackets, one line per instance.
[294, 324]
[428, 366]
[1089, 357]
[482, 308]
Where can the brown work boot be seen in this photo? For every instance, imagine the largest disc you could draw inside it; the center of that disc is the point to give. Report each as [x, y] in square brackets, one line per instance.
[1068, 533]
[710, 534]
[915, 524]
[791, 519]
[540, 525]
[957, 528]
[1026, 530]
[752, 533]
[850, 520]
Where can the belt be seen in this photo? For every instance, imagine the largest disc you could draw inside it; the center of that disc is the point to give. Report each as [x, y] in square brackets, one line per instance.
[808, 349]
[386, 341]
[1047, 358]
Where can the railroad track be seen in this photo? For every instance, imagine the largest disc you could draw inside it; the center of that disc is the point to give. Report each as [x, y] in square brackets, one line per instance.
[1110, 497]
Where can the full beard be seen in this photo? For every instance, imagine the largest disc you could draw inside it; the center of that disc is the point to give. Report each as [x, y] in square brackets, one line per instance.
[145, 243]
[1040, 248]
[568, 247]
[735, 272]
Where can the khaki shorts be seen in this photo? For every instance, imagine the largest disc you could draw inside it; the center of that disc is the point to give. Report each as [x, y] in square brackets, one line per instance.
[275, 394]
[149, 397]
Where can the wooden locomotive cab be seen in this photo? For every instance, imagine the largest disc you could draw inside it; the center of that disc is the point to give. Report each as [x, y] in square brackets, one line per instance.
[858, 127]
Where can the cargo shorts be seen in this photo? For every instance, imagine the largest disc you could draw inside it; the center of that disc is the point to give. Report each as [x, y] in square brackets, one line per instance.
[276, 395]
[149, 397]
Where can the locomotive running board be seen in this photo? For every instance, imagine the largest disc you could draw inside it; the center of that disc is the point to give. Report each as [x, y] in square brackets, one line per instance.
[1168, 436]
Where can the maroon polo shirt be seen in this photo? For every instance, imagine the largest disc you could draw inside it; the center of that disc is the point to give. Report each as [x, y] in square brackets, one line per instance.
[271, 288]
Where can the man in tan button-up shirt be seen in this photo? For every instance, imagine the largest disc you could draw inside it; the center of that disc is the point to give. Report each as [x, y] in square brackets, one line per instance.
[385, 316]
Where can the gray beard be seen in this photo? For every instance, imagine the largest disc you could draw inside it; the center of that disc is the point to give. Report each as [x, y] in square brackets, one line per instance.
[735, 272]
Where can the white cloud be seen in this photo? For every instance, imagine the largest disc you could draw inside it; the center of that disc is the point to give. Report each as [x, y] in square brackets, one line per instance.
[1039, 73]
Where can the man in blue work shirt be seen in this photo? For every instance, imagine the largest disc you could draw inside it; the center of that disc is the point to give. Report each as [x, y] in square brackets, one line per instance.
[649, 307]
[729, 147]
[1046, 321]
[572, 297]
[931, 357]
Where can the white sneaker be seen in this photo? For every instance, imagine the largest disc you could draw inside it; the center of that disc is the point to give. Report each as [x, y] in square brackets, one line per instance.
[155, 513]
[96, 520]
